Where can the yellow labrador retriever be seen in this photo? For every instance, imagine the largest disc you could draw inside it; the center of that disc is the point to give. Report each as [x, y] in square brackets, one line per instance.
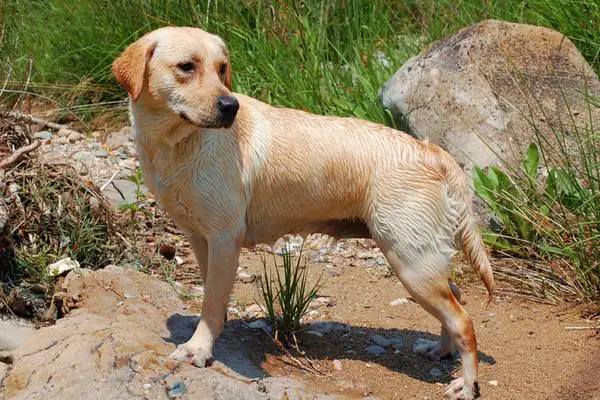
[233, 171]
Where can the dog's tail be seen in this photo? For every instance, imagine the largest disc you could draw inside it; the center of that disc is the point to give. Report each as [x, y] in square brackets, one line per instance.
[467, 233]
[474, 250]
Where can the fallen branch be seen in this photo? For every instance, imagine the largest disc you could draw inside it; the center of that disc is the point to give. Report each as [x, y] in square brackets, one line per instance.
[14, 157]
[30, 119]
[581, 328]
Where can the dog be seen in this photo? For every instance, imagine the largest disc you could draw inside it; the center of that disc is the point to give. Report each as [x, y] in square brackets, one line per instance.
[232, 172]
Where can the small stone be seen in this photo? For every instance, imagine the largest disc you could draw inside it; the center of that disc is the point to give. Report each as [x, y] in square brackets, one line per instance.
[318, 257]
[320, 301]
[101, 153]
[435, 373]
[197, 291]
[260, 324]
[43, 135]
[365, 255]
[62, 266]
[396, 343]
[315, 333]
[65, 132]
[347, 253]
[329, 326]
[83, 156]
[74, 137]
[399, 301]
[129, 164]
[253, 310]
[375, 350]
[62, 140]
[147, 386]
[179, 260]
[493, 383]
[380, 261]
[128, 296]
[337, 365]
[380, 341]
[313, 313]
[167, 250]
[245, 277]
[178, 389]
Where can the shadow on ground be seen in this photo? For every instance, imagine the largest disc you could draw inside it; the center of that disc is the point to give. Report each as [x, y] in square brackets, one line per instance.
[243, 350]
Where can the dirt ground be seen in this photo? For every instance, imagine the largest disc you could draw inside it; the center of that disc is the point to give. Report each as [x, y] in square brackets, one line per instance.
[525, 350]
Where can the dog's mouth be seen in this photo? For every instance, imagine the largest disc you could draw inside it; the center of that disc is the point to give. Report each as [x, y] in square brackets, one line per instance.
[206, 124]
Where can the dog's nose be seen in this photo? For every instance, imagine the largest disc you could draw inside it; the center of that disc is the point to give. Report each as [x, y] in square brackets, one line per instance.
[228, 106]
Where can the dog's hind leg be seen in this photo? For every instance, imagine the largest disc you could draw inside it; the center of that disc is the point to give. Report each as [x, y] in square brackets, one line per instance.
[425, 279]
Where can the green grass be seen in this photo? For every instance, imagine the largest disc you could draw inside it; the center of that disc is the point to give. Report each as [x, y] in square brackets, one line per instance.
[317, 55]
[286, 294]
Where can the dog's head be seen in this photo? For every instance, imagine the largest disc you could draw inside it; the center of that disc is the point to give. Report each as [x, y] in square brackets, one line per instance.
[183, 70]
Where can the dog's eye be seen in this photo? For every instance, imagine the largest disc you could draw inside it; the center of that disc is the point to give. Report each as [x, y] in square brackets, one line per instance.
[222, 69]
[186, 67]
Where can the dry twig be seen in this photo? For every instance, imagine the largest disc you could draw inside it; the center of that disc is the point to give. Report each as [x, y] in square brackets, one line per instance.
[14, 157]
[30, 119]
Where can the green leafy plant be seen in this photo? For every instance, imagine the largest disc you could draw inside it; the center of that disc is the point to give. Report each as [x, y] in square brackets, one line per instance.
[554, 218]
[133, 207]
[286, 294]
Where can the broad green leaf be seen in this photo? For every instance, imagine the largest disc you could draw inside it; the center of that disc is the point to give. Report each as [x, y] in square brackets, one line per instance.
[532, 160]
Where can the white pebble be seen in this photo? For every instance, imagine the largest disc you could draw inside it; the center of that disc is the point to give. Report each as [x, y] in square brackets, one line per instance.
[493, 383]
[246, 277]
[337, 364]
[399, 301]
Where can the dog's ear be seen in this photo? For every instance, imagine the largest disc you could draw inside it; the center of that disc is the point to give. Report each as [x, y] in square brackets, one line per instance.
[130, 67]
[228, 76]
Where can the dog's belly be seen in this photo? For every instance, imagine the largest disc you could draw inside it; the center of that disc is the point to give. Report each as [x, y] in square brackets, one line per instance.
[339, 228]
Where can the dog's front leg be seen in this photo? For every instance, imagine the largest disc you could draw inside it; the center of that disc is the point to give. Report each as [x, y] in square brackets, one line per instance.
[223, 255]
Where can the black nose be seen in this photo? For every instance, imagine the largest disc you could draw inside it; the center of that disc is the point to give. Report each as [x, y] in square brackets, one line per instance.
[228, 106]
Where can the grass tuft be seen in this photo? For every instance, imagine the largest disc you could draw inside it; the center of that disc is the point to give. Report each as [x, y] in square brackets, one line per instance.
[286, 294]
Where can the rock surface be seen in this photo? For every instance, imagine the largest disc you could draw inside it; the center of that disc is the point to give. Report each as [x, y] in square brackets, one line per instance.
[116, 346]
[474, 92]
[13, 332]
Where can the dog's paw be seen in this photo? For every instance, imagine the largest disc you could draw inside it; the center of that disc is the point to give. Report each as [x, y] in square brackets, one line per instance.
[431, 349]
[457, 390]
[192, 355]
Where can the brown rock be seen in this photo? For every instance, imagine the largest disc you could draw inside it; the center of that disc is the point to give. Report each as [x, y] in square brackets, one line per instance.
[167, 250]
[116, 346]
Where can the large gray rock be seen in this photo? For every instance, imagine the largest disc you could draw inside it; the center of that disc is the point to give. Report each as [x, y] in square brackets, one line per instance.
[115, 345]
[475, 92]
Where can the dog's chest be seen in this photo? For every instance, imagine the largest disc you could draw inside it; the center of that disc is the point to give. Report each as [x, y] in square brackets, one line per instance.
[200, 193]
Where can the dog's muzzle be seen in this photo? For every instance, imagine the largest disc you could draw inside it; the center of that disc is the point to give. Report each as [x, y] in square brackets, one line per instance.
[228, 107]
